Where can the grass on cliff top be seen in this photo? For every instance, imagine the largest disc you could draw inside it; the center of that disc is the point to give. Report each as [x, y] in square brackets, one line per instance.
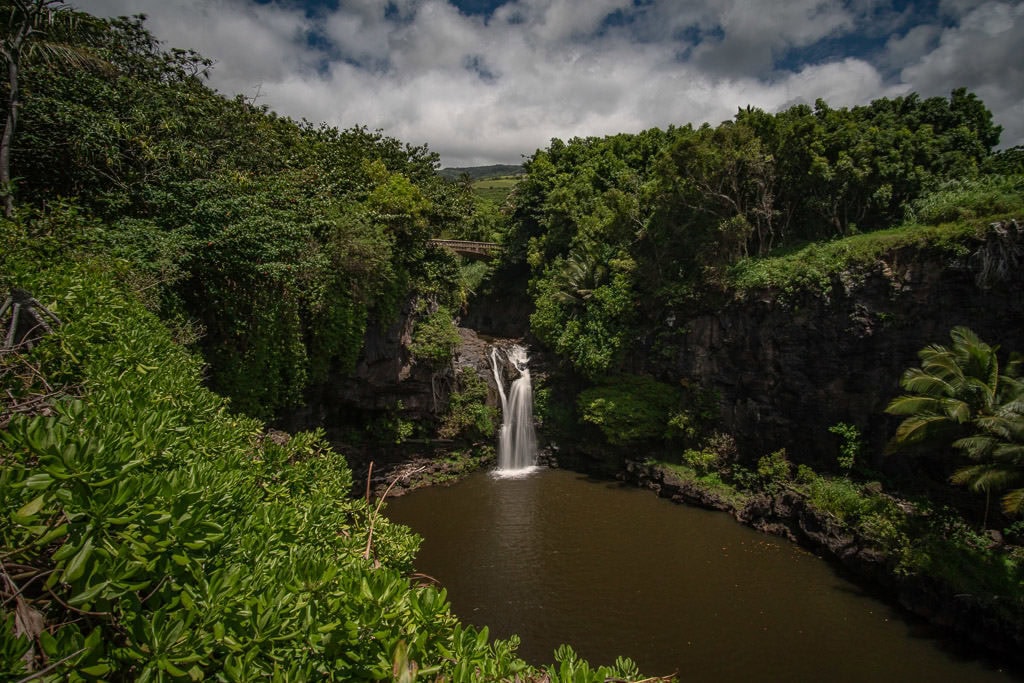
[948, 220]
[811, 267]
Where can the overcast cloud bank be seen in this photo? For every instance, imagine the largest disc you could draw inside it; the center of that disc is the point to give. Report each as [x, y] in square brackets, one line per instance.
[482, 85]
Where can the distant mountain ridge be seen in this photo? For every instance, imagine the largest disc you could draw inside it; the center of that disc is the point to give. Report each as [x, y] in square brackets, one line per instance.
[482, 172]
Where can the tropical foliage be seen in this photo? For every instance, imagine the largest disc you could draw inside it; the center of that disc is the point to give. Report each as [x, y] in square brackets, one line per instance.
[630, 409]
[961, 398]
[278, 243]
[151, 530]
[626, 232]
[150, 533]
[468, 414]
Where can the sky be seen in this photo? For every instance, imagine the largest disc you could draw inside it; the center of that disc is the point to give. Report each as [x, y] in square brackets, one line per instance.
[491, 81]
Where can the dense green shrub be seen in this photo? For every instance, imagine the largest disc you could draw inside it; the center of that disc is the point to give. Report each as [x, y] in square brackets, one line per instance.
[850, 445]
[271, 243]
[773, 470]
[435, 337]
[175, 533]
[630, 408]
[967, 198]
[468, 414]
[701, 461]
[158, 535]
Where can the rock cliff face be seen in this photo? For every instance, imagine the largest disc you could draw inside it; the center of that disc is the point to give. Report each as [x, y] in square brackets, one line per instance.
[387, 380]
[785, 369]
[386, 373]
[385, 377]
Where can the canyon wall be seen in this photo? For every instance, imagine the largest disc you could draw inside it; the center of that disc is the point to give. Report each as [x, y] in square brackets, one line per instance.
[784, 368]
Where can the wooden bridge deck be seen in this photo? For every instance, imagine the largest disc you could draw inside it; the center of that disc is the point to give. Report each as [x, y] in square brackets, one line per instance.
[469, 248]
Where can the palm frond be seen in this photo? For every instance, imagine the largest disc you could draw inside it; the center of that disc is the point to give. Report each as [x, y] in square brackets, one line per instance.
[1005, 428]
[914, 405]
[1011, 454]
[918, 381]
[977, 446]
[921, 430]
[986, 477]
[1012, 406]
[55, 54]
[1013, 502]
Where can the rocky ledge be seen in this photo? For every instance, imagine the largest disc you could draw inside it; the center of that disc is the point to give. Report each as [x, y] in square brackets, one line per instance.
[399, 475]
[987, 622]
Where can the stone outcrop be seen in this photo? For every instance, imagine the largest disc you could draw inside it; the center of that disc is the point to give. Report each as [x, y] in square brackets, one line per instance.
[386, 374]
[786, 367]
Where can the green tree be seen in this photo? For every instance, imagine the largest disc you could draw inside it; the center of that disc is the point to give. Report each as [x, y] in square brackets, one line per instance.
[959, 398]
[630, 409]
[30, 27]
[282, 241]
[727, 175]
[584, 309]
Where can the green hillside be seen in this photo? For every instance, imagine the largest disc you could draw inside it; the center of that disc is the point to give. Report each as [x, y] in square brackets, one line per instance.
[482, 172]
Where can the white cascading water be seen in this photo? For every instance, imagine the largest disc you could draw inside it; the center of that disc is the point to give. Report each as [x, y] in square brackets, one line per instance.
[517, 444]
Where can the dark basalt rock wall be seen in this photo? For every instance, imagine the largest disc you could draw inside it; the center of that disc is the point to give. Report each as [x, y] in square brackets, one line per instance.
[386, 376]
[503, 308]
[783, 366]
[786, 368]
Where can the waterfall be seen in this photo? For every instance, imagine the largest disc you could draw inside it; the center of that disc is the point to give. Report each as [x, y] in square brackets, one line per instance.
[517, 445]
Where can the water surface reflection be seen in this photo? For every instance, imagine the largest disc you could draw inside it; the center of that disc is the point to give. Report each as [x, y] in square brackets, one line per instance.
[617, 571]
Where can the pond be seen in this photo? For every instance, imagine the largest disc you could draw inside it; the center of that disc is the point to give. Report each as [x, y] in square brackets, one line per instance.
[611, 570]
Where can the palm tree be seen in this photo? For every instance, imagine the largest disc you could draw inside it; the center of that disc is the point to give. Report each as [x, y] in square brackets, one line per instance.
[578, 276]
[959, 398]
[954, 386]
[997, 451]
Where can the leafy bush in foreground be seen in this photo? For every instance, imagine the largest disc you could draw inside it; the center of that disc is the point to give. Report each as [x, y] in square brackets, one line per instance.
[148, 533]
[157, 534]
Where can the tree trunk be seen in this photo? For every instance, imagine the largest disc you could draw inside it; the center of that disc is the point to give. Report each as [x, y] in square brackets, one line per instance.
[6, 186]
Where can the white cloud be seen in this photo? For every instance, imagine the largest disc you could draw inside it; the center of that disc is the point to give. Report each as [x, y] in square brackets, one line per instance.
[483, 91]
[754, 35]
[983, 53]
[910, 47]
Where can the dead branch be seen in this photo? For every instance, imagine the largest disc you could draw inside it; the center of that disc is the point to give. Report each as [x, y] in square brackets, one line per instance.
[380, 503]
[42, 672]
[28, 316]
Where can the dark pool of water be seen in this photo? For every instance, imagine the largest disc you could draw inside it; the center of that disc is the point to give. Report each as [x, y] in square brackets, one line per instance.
[612, 570]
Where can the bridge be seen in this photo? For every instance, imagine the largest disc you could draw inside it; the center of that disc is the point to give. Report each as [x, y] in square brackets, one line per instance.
[469, 248]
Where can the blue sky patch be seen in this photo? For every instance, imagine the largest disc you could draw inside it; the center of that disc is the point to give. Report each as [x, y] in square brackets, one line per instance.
[478, 7]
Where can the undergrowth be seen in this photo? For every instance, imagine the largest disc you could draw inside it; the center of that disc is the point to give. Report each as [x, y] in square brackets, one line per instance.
[814, 267]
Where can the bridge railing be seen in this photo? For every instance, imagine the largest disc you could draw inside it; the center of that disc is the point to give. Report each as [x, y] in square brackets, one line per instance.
[469, 246]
